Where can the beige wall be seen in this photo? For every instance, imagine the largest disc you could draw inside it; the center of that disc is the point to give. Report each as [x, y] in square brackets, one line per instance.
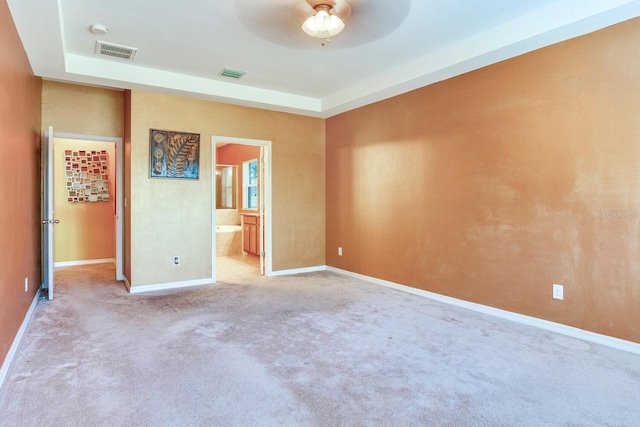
[172, 217]
[494, 185]
[86, 230]
[19, 182]
[82, 110]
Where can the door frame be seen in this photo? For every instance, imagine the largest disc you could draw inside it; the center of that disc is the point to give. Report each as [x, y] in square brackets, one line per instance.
[119, 188]
[265, 204]
[47, 219]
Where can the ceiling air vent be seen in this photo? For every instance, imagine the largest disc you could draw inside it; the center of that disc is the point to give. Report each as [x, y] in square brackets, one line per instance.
[115, 50]
[234, 74]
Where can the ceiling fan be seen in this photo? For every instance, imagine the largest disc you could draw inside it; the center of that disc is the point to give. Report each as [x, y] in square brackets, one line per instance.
[323, 18]
[280, 21]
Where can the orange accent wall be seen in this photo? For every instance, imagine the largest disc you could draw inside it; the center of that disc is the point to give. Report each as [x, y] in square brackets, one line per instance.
[19, 182]
[494, 185]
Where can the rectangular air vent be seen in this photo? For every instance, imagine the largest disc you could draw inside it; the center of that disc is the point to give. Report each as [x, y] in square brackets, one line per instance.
[234, 74]
[115, 50]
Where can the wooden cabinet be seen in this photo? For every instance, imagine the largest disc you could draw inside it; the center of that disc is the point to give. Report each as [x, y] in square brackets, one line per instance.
[251, 245]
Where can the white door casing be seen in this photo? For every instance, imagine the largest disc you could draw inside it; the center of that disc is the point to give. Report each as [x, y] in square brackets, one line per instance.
[48, 220]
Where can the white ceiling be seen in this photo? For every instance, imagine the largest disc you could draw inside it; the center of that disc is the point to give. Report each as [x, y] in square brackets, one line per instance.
[184, 44]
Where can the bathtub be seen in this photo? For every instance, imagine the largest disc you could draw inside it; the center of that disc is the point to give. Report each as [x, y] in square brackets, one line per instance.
[228, 228]
[228, 240]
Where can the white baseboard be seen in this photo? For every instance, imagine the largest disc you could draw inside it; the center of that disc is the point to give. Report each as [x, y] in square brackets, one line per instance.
[166, 286]
[581, 334]
[298, 270]
[16, 341]
[83, 262]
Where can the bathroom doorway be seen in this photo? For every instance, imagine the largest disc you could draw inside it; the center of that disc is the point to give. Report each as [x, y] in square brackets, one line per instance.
[241, 208]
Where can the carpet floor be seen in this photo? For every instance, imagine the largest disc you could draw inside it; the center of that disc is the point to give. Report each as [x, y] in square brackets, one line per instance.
[318, 349]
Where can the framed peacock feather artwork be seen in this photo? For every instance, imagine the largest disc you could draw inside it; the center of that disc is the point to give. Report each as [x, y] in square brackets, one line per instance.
[173, 154]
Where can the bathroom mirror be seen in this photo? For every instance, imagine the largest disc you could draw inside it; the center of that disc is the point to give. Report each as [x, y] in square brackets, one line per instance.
[226, 187]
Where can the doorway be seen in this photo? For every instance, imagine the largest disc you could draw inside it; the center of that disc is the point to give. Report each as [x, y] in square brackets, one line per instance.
[241, 208]
[86, 193]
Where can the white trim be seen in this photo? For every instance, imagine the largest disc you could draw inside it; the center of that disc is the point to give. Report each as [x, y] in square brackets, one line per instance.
[84, 262]
[166, 286]
[571, 331]
[299, 270]
[17, 340]
[119, 209]
[81, 136]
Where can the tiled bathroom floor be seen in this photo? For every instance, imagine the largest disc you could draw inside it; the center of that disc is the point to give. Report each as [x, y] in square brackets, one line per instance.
[237, 266]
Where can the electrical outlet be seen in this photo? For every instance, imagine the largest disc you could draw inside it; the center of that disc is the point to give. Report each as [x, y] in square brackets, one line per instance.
[339, 250]
[176, 260]
[558, 291]
[26, 283]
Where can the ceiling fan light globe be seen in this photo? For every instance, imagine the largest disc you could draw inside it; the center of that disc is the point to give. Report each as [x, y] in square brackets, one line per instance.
[322, 21]
[322, 24]
[336, 25]
[309, 26]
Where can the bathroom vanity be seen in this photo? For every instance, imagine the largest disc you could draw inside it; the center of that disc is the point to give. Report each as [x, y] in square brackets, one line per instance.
[250, 234]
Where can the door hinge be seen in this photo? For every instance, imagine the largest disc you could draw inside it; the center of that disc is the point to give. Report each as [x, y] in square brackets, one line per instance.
[261, 254]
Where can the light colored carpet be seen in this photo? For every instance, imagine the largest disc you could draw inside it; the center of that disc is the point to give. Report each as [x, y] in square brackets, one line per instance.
[310, 350]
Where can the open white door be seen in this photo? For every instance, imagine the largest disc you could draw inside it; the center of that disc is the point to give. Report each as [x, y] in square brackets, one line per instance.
[47, 211]
[262, 183]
